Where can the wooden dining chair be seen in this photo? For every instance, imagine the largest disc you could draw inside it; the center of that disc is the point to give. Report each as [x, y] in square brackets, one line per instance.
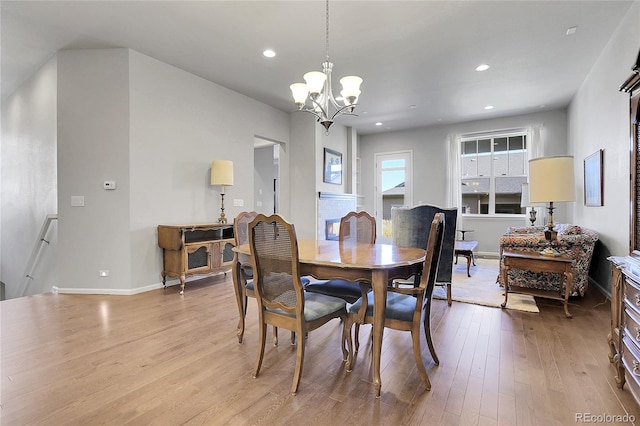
[242, 269]
[357, 227]
[406, 306]
[243, 274]
[282, 301]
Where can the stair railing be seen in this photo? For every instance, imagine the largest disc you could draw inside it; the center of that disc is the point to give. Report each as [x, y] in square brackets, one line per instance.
[35, 253]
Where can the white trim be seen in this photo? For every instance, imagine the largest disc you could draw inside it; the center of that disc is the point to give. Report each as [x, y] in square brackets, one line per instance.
[124, 291]
[110, 291]
[494, 133]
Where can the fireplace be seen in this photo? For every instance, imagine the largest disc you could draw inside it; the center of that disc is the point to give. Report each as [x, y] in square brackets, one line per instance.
[331, 229]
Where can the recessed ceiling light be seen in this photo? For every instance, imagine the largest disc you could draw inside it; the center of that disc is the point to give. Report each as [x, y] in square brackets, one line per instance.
[412, 106]
[378, 124]
[482, 67]
[489, 107]
[269, 53]
[571, 30]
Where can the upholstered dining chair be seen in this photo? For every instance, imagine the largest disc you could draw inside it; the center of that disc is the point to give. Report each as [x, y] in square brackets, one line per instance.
[406, 306]
[357, 227]
[282, 301]
[411, 228]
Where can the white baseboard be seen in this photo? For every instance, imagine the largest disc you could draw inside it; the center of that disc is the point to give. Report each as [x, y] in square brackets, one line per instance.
[121, 292]
[112, 291]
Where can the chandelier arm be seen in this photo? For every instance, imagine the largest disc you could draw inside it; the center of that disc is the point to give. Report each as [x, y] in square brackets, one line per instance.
[341, 111]
[323, 109]
[310, 111]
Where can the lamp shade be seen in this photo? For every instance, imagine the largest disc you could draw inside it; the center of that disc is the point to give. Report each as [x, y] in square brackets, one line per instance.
[524, 201]
[551, 179]
[222, 172]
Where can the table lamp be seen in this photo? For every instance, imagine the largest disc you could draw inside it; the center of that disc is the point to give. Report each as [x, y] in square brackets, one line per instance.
[222, 175]
[525, 202]
[551, 181]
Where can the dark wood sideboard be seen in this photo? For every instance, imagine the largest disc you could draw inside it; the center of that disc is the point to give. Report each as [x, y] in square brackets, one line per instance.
[195, 249]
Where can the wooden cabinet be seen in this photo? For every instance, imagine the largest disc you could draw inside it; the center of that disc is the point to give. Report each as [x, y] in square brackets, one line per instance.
[624, 338]
[200, 249]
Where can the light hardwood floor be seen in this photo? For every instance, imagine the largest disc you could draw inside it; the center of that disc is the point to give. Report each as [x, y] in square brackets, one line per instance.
[161, 358]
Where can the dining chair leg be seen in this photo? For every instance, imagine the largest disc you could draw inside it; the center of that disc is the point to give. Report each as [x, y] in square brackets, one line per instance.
[299, 363]
[262, 337]
[415, 336]
[427, 334]
[345, 352]
[242, 309]
[357, 336]
[275, 336]
[347, 333]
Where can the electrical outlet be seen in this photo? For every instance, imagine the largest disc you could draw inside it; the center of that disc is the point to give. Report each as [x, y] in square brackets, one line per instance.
[103, 272]
[109, 184]
[238, 202]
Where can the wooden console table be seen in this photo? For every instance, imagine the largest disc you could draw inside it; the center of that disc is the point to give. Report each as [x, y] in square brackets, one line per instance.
[536, 262]
[196, 249]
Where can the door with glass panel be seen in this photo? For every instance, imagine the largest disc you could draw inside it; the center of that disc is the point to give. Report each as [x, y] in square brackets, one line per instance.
[393, 189]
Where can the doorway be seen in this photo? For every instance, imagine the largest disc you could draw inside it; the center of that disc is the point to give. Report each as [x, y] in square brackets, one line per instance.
[393, 188]
[266, 176]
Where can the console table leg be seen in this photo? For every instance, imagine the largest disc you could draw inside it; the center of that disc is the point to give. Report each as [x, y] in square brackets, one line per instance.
[505, 278]
[567, 291]
[182, 279]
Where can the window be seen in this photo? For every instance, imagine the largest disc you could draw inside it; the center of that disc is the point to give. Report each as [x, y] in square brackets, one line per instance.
[493, 169]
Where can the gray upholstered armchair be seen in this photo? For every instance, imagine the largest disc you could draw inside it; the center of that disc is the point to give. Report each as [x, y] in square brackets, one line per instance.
[411, 229]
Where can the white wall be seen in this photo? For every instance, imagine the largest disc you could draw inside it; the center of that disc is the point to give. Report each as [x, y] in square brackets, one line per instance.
[179, 124]
[599, 119]
[303, 197]
[93, 146]
[429, 146]
[29, 183]
[149, 126]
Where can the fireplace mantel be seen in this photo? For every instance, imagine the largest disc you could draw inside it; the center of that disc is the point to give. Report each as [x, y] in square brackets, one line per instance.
[335, 196]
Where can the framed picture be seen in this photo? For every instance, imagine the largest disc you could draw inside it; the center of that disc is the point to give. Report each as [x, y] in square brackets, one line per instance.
[593, 187]
[332, 166]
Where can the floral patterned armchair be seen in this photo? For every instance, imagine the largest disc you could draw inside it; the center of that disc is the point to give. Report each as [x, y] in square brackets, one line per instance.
[573, 241]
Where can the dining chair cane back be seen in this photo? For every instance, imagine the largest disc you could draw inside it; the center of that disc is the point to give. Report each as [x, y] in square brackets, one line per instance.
[406, 306]
[243, 276]
[282, 301]
[357, 227]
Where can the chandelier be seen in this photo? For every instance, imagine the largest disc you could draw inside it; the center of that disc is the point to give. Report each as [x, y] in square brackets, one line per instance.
[316, 96]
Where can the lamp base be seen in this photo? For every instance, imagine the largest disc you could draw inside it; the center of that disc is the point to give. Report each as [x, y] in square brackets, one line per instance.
[532, 217]
[222, 218]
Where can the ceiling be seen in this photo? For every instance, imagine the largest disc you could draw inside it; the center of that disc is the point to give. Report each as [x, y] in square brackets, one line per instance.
[417, 58]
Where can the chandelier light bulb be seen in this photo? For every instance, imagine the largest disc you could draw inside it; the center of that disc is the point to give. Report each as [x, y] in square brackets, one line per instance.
[351, 85]
[300, 93]
[315, 82]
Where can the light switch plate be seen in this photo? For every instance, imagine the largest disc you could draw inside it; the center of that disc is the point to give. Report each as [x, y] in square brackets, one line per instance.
[238, 202]
[109, 184]
[77, 201]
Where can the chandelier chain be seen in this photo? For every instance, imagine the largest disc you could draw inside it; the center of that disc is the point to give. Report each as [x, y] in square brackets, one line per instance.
[327, 32]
